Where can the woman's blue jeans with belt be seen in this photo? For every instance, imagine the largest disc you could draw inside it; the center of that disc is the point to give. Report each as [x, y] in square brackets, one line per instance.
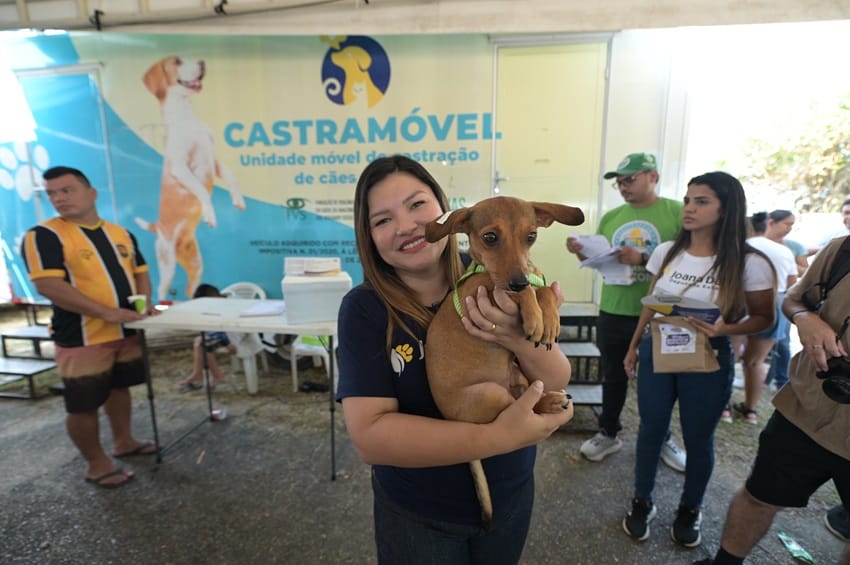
[701, 396]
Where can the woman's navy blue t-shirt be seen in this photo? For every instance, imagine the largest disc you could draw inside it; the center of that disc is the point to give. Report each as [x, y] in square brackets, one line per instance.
[367, 369]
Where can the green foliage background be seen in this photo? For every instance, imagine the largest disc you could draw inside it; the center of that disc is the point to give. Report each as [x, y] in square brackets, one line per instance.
[812, 164]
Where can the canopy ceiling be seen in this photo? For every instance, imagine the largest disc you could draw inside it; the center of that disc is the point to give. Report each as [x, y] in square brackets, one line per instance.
[376, 17]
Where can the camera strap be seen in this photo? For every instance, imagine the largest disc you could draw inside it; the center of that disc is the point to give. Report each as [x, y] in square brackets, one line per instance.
[837, 270]
[840, 266]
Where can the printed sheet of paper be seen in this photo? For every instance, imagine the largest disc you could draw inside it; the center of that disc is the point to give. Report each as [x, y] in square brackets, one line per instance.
[605, 259]
[593, 245]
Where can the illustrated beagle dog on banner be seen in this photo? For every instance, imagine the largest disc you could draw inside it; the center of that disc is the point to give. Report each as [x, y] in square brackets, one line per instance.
[189, 170]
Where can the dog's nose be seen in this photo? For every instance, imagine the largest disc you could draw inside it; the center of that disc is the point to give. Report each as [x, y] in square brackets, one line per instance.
[518, 283]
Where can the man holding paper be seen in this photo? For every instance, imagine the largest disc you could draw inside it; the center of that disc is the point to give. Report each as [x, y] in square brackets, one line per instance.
[634, 229]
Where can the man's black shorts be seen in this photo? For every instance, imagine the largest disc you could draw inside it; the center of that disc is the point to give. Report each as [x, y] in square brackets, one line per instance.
[790, 466]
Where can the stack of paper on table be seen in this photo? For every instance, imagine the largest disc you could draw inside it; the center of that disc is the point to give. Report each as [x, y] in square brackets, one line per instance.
[311, 266]
[264, 308]
[672, 305]
[605, 259]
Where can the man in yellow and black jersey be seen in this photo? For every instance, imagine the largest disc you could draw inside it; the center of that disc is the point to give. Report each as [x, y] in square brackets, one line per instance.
[88, 268]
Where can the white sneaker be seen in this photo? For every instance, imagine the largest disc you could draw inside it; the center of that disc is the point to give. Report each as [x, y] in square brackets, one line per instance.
[673, 456]
[600, 446]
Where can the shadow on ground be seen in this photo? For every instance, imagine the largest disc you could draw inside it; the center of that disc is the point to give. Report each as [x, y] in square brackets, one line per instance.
[256, 488]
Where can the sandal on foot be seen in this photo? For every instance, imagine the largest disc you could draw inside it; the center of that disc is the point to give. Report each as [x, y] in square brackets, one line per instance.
[214, 381]
[144, 448]
[190, 386]
[749, 415]
[99, 481]
[310, 386]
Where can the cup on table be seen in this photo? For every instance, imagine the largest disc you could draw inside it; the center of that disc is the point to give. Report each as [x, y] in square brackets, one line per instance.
[139, 302]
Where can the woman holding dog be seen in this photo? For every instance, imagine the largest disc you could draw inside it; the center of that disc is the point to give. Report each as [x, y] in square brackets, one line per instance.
[425, 506]
[709, 261]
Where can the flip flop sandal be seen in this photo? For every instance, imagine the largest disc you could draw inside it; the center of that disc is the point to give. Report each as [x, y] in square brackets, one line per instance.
[188, 387]
[749, 414]
[98, 481]
[311, 386]
[140, 450]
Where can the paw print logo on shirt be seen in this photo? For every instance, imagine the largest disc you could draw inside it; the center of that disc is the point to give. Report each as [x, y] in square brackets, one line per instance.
[21, 171]
[405, 351]
[401, 356]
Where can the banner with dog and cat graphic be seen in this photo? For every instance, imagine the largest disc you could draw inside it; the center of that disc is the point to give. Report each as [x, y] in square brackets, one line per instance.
[226, 154]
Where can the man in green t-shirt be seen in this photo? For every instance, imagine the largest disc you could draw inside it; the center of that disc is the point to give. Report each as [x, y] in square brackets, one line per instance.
[636, 227]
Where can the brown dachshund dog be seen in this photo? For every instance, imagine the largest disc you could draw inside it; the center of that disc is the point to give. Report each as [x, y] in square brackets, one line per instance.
[473, 380]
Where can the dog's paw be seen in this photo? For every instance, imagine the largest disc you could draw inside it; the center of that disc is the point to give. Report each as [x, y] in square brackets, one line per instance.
[546, 345]
[238, 200]
[543, 329]
[551, 330]
[552, 402]
[533, 332]
[208, 216]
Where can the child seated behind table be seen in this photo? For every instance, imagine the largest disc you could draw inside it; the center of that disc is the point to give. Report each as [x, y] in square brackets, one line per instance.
[213, 341]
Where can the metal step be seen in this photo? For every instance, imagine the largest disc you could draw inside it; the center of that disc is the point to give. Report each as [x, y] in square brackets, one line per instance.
[585, 394]
[34, 334]
[16, 369]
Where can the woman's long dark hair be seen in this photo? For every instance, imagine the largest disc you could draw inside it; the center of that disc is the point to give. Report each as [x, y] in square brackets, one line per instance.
[730, 243]
[394, 293]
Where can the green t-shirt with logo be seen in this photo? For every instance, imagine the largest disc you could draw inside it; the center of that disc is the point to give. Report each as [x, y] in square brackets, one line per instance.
[644, 228]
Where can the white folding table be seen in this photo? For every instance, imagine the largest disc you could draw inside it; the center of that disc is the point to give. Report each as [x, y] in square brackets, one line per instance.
[226, 315]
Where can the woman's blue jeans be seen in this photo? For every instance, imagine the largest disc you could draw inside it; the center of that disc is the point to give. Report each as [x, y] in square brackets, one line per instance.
[781, 358]
[702, 397]
[403, 536]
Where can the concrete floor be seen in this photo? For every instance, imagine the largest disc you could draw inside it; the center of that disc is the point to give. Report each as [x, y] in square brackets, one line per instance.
[256, 488]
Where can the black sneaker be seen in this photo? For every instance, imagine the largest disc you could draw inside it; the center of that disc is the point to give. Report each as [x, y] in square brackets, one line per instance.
[685, 530]
[636, 522]
[838, 522]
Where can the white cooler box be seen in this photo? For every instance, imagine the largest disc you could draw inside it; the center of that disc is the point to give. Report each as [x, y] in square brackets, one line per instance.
[314, 298]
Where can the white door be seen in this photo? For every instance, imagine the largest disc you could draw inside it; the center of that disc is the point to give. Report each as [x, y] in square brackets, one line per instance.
[550, 108]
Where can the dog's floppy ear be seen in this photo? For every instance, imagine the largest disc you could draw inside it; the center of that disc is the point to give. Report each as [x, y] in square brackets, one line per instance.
[361, 58]
[548, 212]
[156, 80]
[454, 221]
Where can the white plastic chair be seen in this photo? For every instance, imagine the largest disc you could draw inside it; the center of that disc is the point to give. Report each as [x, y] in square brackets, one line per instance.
[248, 346]
[244, 289]
[314, 348]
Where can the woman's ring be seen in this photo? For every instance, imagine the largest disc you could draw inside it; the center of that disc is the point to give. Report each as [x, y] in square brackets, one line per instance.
[492, 329]
[817, 346]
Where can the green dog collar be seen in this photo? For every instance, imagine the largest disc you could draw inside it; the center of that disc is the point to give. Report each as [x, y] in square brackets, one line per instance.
[475, 268]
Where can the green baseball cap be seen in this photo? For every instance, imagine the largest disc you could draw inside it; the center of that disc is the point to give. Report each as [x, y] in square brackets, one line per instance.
[633, 163]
